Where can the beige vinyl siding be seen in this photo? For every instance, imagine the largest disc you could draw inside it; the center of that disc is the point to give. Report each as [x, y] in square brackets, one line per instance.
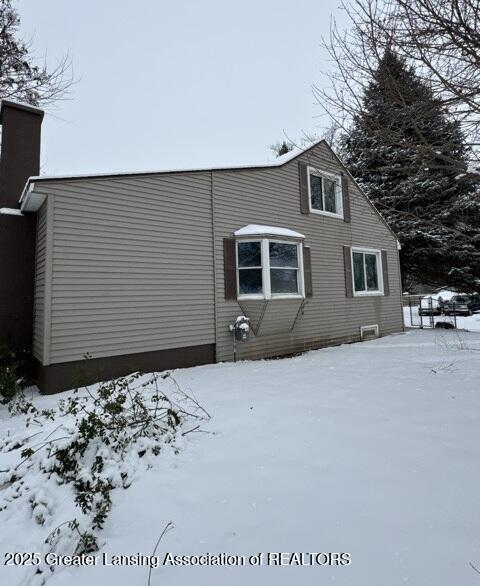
[271, 196]
[132, 265]
[280, 316]
[39, 287]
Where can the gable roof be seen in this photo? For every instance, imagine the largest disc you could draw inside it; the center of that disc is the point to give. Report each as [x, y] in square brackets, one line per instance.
[37, 199]
[276, 163]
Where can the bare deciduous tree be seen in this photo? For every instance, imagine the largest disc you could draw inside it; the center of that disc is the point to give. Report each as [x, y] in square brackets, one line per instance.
[21, 77]
[440, 38]
[438, 41]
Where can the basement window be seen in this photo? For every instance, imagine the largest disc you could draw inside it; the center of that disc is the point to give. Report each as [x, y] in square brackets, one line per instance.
[369, 332]
[268, 268]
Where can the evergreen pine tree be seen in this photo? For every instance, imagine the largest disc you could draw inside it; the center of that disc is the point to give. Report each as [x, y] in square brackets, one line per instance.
[281, 148]
[284, 149]
[409, 157]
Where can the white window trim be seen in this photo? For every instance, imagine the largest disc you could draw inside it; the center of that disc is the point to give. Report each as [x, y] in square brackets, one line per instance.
[265, 260]
[338, 193]
[380, 290]
[251, 295]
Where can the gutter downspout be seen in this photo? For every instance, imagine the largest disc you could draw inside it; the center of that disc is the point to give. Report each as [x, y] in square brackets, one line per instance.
[399, 247]
[47, 309]
[212, 202]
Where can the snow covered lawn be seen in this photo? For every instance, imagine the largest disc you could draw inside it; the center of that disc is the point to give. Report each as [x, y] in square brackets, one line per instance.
[371, 449]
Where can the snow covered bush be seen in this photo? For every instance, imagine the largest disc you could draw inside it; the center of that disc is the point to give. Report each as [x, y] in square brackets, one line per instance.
[90, 445]
[12, 378]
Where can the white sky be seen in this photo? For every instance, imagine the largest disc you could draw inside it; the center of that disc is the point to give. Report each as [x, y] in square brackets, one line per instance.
[182, 83]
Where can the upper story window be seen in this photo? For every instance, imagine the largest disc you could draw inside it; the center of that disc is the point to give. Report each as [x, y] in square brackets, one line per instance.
[325, 193]
[269, 268]
[367, 272]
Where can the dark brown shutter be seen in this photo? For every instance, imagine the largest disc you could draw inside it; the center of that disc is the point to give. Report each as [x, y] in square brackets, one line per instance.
[347, 262]
[303, 177]
[386, 285]
[230, 268]
[307, 271]
[346, 198]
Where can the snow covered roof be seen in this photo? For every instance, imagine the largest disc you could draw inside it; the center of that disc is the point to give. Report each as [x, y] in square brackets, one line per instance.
[260, 230]
[276, 162]
[32, 198]
[29, 205]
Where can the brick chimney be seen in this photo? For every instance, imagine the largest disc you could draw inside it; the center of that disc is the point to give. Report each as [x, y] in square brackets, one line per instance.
[19, 159]
[20, 149]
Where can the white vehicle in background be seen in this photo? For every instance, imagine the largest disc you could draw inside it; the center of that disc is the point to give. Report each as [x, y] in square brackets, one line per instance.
[430, 306]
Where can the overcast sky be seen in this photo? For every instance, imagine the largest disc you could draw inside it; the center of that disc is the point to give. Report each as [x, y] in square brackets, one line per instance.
[178, 84]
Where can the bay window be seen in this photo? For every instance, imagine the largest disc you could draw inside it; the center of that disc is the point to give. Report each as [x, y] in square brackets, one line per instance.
[250, 281]
[283, 267]
[269, 268]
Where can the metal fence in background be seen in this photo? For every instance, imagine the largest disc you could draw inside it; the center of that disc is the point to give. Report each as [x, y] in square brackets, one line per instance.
[421, 311]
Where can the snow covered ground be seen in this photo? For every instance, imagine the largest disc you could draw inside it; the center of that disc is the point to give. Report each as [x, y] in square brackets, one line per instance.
[370, 449]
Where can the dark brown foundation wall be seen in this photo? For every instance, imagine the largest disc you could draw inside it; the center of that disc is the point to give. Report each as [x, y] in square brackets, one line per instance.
[69, 375]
